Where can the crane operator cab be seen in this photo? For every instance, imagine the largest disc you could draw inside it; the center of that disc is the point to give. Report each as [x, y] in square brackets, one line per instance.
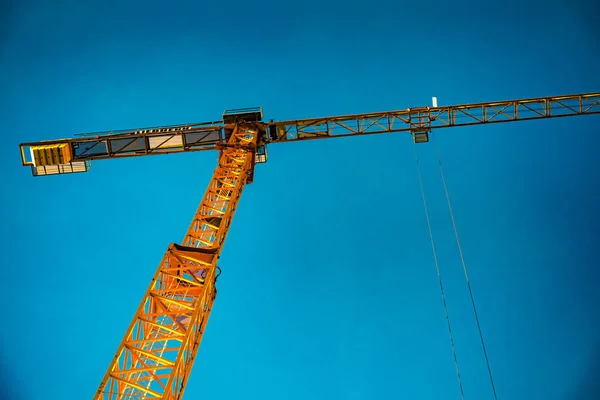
[251, 114]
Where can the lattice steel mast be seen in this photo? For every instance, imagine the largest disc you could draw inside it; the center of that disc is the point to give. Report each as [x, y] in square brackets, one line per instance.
[155, 358]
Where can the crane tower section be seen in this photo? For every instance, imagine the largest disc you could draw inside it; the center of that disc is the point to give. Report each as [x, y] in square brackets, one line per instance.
[155, 357]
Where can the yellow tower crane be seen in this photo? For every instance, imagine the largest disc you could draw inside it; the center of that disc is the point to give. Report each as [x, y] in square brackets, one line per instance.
[156, 355]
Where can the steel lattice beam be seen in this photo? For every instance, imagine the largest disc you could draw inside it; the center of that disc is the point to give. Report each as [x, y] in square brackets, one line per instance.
[208, 136]
[156, 355]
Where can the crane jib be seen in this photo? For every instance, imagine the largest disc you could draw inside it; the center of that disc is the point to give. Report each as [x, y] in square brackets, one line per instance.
[75, 154]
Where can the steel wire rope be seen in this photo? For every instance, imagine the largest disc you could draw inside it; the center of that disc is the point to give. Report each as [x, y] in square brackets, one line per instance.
[462, 258]
[437, 267]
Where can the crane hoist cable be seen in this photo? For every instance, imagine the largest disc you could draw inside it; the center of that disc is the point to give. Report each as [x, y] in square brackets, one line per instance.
[437, 267]
[464, 265]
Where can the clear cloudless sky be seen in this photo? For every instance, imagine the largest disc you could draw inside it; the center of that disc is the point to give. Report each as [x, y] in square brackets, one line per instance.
[329, 289]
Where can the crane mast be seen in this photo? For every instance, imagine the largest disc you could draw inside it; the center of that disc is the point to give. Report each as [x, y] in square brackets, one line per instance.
[155, 357]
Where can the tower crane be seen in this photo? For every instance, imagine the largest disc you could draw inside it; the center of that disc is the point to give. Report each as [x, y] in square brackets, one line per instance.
[156, 354]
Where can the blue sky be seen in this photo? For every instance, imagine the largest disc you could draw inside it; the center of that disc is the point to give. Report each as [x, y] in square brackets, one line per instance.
[329, 289]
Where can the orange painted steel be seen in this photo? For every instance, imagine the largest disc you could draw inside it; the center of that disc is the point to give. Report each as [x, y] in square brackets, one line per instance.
[156, 355]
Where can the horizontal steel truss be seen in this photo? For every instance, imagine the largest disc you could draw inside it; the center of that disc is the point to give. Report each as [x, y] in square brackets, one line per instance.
[198, 137]
[428, 118]
[155, 357]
